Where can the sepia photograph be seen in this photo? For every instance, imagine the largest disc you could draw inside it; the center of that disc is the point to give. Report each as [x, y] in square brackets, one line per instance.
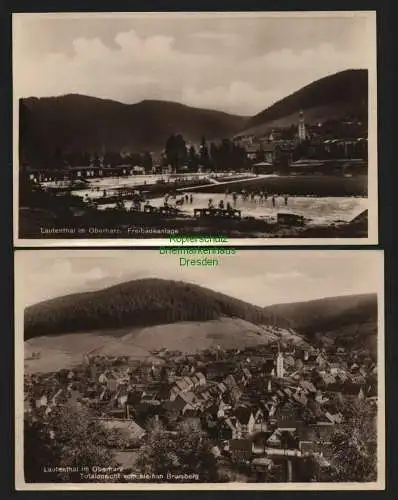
[135, 373]
[131, 127]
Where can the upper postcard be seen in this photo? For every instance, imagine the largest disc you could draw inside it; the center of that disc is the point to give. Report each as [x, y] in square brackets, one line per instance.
[140, 128]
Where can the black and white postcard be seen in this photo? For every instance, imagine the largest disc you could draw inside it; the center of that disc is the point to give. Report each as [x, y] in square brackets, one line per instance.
[138, 373]
[129, 128]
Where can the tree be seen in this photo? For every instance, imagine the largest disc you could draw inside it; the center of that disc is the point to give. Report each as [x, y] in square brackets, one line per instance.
[308, 469]
[147, 161]
[353, 447]
[176, 151]
[288, 441]
[58, 158]
[69, 436]
[187, 452]
[204, 153]
[192, 158]
[171, 417]
[96, 160]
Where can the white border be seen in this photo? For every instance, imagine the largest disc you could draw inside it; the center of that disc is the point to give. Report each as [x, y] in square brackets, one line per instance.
[21, 485]
[372, 238]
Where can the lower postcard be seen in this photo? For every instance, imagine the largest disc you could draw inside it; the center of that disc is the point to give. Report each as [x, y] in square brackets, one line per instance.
[263, 371]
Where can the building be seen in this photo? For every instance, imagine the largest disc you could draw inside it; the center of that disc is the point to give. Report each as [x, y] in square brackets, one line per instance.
[280, 370]
[302, 132]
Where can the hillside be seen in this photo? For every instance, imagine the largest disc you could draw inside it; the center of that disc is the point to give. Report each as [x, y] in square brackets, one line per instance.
[139, 316]
[66, 350]
[81, 123]
[349, 321]
[335, 96]
[138, 303]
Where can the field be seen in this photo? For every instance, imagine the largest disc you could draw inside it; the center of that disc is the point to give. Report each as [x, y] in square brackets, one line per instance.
[64, 351]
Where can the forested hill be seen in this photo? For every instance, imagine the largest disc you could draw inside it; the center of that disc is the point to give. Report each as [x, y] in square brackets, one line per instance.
[138, 303]
[345, 320]
[337, 96]
[82, 123]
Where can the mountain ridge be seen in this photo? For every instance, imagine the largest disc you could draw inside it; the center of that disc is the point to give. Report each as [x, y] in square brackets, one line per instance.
[141, 302]
[337, 94]
[76, 122]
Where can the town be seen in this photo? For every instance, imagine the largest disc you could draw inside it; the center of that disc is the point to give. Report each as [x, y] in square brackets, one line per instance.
[336, 147]
[287, 182]
[269, 413]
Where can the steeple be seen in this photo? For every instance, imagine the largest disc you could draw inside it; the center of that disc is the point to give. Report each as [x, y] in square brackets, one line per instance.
[280, 370]
[302, 132]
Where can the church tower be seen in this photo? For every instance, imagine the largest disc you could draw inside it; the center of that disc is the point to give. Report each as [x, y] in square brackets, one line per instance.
[280, 370]
[302, 133]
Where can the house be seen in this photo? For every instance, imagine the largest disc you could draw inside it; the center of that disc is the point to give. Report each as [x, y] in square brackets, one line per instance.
[240, 449]
[261, 465]
[215, 451]
[105, 395]
[59, 397]
[357, 379]
[263, 167]
[320, 361]
[300, 398]
[221, 388]
[269, 151]
[122, 396]
[150, 397]
[252, 151]
[289, 361]
[40, 400]
[129, 429]
[245, 419]
[230, 382]
[320, 398]
[286, 418]
[324, 428]
[307, 447]
[274, 441]
[260, 424]
[189, 383]
[336, 418]
[203, 394]
[334, 368]
[228, 429]
[183, 404]
[201, 377]
[134, 397]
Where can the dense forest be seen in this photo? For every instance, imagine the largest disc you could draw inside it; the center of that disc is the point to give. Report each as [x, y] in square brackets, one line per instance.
[78, 123]
[138, 303]
[349, 88]
[347, 320]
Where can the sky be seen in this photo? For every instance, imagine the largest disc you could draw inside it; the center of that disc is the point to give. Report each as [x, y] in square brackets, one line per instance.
[240, 64]
[261, 277]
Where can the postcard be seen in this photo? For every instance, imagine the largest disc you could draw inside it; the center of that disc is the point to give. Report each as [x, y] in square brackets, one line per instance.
[263, 370]
[130, 128]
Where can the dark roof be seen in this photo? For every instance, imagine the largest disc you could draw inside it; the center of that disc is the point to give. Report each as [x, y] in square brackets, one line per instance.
[240, 444]
[269, 148]
[242, 414]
